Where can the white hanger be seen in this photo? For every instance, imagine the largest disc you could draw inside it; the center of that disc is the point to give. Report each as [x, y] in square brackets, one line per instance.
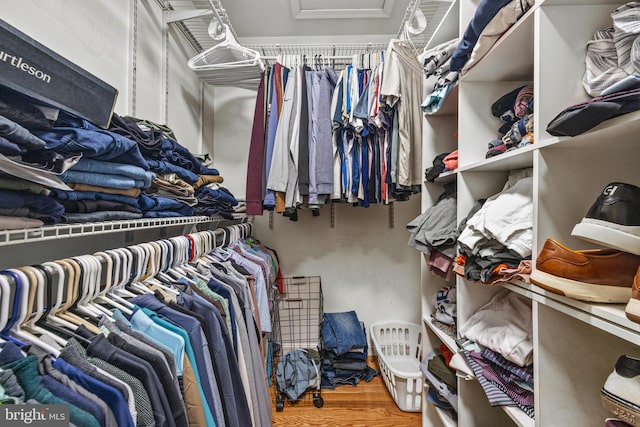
[227, 63]
[4, 302]
[105, 296]
[23, 312]
[30, 324]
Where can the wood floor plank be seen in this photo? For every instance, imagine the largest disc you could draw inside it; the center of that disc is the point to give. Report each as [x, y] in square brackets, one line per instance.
[366, 405]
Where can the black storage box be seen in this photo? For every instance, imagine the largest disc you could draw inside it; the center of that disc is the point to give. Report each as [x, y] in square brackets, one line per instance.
[32, 69]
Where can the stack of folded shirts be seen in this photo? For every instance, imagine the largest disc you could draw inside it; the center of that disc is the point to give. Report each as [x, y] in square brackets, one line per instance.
[441, 380]
[498, 345]
[344, 350]
[214, 199]
[515, 110]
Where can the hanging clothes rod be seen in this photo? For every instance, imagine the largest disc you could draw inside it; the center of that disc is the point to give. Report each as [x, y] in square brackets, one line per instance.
[311, 57]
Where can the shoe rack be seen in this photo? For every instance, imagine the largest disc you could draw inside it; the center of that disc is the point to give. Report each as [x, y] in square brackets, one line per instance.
[576, 344]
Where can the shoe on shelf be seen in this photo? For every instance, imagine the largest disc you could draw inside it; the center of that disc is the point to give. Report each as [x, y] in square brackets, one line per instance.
[621, 391]
[594, 275]
[614, 219]
[633, 306]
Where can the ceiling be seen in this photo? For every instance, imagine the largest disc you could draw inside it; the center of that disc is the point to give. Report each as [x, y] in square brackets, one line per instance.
[279, 26]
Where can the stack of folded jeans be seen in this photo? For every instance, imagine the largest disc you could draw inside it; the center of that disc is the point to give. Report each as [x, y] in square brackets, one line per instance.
[344, 350]
[20, 206]
[214, 199]
[91, 175]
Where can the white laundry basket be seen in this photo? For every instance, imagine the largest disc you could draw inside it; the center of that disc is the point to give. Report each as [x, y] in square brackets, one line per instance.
[399, 349]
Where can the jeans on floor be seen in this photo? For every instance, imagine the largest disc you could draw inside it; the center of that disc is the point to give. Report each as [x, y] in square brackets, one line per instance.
[342, 332]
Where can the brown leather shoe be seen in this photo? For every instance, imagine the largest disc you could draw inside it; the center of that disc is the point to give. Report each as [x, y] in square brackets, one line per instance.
[633, 306]
[596, 275]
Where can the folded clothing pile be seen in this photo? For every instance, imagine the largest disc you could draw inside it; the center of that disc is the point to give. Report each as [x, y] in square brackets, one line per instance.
[515, 110]
[344, 350]
[441, 380]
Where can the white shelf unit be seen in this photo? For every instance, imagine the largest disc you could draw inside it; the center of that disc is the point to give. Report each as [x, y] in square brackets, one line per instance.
[447, 340]
[576, 344]
[446, 419]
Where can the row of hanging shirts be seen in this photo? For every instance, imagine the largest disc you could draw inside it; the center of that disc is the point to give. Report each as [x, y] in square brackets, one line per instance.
[351, 136]
[61, 309]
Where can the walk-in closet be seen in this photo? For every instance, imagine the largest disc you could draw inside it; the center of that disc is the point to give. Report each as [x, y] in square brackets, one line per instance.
[355, 213]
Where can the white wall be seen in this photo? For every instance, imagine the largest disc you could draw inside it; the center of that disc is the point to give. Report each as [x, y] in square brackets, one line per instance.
[97, 35]
[364, 264]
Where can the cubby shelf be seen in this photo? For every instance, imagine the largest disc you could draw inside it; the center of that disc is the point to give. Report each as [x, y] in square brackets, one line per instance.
[575, 344]
[442, 336]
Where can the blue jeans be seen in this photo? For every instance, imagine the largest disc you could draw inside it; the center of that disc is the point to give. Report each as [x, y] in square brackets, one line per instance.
[220, 194]
[158, 204]
[342, 332]
[93, 195]
[8, 148]
[19, 135]
[111, 168]
[100, 179]
[73, 136]
[43, 205]
[162, 167]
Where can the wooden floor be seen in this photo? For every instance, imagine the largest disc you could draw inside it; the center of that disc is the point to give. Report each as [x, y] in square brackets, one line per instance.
[366, 405]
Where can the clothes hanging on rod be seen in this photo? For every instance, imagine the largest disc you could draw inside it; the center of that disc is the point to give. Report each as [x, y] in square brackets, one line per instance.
[166, 333]
[321, 136]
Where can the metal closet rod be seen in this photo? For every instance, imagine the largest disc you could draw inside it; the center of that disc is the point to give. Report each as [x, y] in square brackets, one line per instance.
[275, 58]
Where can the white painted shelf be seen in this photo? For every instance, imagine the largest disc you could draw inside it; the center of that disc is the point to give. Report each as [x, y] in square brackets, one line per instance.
[442, 336]
[519, 417]
[446, 419]
[575, 343]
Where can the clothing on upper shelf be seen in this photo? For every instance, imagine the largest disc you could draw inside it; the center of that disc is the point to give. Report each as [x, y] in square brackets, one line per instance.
[611, 54]
[436, 227]
[81, 162]
[515, 110]
[500, 231]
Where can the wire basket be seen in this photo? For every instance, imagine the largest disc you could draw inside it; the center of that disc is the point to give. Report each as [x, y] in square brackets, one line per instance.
[297, 315]
[399, 349]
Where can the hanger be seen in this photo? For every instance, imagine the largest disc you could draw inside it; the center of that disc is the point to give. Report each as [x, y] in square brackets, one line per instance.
[36, 306]
[5, 298]
[54, 274]
[73, 292]
[227, 63]
[105, 296]
[25, 306]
